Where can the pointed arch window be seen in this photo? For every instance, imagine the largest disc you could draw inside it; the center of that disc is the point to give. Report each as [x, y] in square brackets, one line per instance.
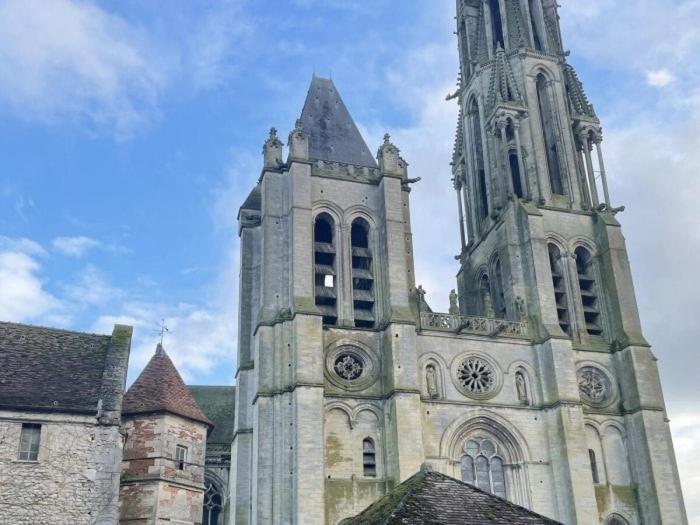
[369, 458]
[499, 303]
[550, 135]
[594, 466]
[589, 295]
[514, 162]
[482, 466]
[496, 24]
[560, 297]
[212, 505]
[362, 274]
[482, 204]
[325, 282]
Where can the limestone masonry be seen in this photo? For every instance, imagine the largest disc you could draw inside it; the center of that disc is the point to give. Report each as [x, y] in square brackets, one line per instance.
[538, 386]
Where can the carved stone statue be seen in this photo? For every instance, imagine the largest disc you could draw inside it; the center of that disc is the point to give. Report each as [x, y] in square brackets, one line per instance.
[520, 308]
[454, 307]
[521, 388]
[421, 298]
[488, 305]
[431, 382]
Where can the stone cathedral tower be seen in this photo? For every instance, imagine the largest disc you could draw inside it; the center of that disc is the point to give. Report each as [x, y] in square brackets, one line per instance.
[538, 386]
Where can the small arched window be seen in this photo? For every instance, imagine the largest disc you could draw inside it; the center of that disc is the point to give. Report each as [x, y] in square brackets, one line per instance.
[369, 458]
[482, 466]
[212, 505]
[325, 268]
[549, 135]
[616, 519]
[589, 294]
[594, 466]
[560, 297]
[362, 275]
[496, 24]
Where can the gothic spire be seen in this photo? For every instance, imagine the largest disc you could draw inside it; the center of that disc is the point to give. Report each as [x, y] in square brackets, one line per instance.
[502, 87]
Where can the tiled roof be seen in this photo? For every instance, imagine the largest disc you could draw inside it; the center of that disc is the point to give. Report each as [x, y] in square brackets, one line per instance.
[62, 371]
[159, 388]
[430, 498]
[333, 135]
[219, 405]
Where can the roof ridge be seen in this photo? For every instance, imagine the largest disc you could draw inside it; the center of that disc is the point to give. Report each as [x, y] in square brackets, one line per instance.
[52, 329]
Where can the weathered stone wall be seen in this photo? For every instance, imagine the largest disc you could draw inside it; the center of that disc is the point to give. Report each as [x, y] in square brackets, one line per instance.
[75, 479]
[152, 487]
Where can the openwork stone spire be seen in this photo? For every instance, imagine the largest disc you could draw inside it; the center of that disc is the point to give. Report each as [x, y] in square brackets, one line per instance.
[502, 87]
[579, 101]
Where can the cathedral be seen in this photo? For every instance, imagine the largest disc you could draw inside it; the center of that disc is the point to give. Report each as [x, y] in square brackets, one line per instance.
[537, 386]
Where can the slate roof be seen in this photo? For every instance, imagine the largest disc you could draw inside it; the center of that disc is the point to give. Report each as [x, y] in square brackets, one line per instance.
[333, 135]
[254, 200]
[55, 370]
[159, 388]
[219, 404]
[430, 498]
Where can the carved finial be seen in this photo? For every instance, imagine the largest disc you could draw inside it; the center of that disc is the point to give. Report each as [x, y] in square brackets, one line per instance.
[273, 133]
[387, 138]
[298, 126]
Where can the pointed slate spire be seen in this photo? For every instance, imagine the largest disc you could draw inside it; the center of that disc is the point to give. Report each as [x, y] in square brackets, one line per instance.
[159, 388]
[333, 135]
[577, 95]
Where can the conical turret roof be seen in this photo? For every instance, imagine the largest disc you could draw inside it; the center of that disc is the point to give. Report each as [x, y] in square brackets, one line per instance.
[333, 135]
[159, 388]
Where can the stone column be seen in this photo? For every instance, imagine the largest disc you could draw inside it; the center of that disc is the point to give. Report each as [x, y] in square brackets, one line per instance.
[587, 147]
[601, 164]
[458, 188]
[502, 126]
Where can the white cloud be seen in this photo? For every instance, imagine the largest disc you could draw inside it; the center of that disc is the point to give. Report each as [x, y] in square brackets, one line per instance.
[660, 78]
[90, 289]
[71, 58]
[22, 245]
[74, 246]
[23, 296]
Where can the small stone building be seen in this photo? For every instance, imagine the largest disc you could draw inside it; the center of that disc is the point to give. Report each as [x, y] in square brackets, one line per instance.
[60, 445]
[218, 403]
[164, 448]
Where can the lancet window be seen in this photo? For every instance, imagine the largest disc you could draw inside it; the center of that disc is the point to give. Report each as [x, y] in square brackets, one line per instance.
[496, 24]
[589, 296]
[482, 466]
[550, 135]
[537, 40]
[326, 286]
[482, 203]
[499, 303]
[362, 274]
[212, 506]
[594, 466]
[560, 295]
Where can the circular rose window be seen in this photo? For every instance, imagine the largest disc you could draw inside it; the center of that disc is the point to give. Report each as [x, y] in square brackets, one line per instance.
[348, 366]
[476, 376]
[594, 385]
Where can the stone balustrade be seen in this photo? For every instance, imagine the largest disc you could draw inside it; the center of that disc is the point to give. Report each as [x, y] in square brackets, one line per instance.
[474, 325]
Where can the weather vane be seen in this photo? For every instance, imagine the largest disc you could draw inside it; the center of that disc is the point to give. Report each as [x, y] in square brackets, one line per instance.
[162, 330]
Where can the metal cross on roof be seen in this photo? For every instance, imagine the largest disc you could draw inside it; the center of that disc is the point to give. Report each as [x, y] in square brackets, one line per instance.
[162, 330]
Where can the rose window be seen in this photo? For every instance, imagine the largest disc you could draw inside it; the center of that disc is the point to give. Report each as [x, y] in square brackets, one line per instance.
[476, 375]
[594, 385]
[348, 366]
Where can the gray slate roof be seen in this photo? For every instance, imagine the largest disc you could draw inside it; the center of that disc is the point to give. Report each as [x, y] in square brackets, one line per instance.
[333, 135]
[55, 370]
[430, 498]
[219, 405]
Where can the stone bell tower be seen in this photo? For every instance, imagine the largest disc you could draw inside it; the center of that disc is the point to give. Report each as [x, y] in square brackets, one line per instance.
[540, 241]
[327, 390]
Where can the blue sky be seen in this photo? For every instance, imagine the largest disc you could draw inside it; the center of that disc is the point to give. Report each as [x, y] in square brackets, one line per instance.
[131, 131]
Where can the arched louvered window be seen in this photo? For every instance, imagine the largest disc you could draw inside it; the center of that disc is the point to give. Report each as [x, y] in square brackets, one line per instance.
[560, 295]
[550, 135]
[482, 203]
[369, 458]
[496, 24]
[482, 466]
[362, 275]
[589, 295]
[594, 466]
[537, 33]
[326, 286]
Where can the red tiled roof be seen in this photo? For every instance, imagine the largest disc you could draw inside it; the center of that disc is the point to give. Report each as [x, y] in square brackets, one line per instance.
[160, 388]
